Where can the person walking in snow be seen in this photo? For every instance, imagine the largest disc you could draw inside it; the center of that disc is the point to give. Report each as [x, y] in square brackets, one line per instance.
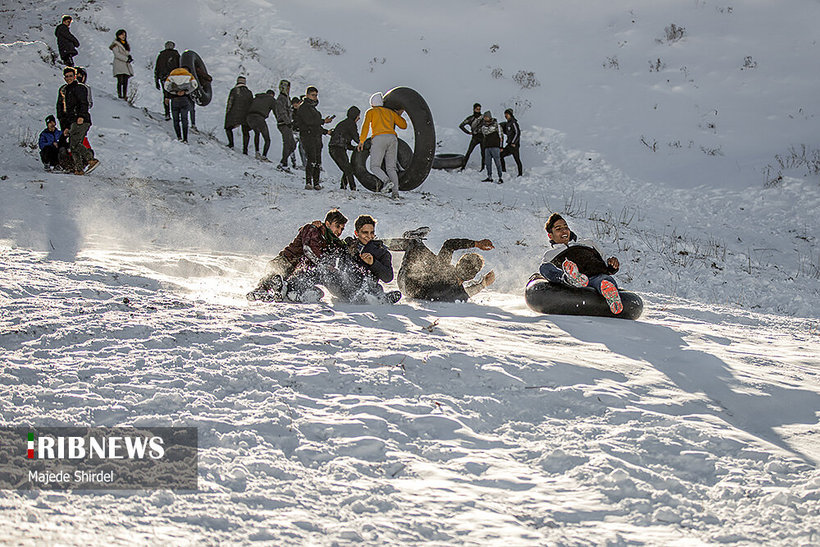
[312, 242]
[122, 62]
[75, 108]
[472, 126]
[257, 120]
[310, 123]
[180, 84]
[343, 134]
[167, 60]
[48, 143]
[491, 137]
[284, 123]
[427, 276]
[579, 264]
[236, 112]
[512, 141]
[384, 146]
[67, 43]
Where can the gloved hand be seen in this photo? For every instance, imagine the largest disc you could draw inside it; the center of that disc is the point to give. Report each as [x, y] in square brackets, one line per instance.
[130, 59]
[157, 82]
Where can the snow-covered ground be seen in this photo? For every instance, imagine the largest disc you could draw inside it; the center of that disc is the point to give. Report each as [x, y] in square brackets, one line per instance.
[122, 293]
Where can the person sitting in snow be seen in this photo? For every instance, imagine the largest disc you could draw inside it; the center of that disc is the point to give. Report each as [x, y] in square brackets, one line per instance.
[180, 84]
[343, 134]
[49, 144]
[427, 276]
[312, 241]
[579, 264]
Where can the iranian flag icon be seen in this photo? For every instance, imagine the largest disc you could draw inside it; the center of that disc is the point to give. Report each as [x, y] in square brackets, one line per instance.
[31, 446]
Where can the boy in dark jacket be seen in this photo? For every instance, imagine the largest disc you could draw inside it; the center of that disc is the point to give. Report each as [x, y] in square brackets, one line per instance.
[492, 146]
[473, 122]
[310, 123]
[49, 144]
[512, 138]
[236, 113]
[67, 43]
[75, 111]
[283, 111]
[257, 120]
[343, 134]
[167, 60]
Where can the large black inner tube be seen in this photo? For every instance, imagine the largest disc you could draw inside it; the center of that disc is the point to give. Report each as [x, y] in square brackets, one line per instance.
[545, 297]
[192, 62]
[424, 135]
[448, 161]
[359, 162]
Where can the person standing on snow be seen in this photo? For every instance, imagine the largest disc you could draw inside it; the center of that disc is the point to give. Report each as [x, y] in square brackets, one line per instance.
[295, 103]
[75, 107]
[122, 62]
[284, 123]
[512, 138]
[343, 134]
[180, 84]
[167, 60]
[473, 121]
[236, 112]
[67, 43]
[257, 120]
[491, 134]
[310, 123]
[384, 146]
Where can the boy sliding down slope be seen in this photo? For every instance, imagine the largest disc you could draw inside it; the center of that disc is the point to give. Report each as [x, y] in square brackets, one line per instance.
[579, 263]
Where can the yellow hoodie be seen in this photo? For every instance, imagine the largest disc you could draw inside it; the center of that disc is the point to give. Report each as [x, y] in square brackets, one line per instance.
[382, 120]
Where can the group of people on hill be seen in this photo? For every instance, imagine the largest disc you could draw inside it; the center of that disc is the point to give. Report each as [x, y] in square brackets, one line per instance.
[353, 269]
[495, 140]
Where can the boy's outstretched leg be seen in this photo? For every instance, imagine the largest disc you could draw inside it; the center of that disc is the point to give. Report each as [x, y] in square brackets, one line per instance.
[610, 293]
[572, 276]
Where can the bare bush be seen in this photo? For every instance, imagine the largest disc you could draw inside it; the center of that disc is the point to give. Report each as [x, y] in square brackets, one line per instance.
[526, 80]
[612, 62]
[712, 151]
[656, 65]
[497, 73]
[519, 105]
[494, 48]
[133, 94]
[319, 44]
[800, 158]
[27, 139]
[748, 63]
[672, 34]
[375, 61]
[653, 145]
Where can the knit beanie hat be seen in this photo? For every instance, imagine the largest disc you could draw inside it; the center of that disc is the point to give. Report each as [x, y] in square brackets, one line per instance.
[510, 112]
[377, 99]
[240, 80]
[170, 45]
[488, 114]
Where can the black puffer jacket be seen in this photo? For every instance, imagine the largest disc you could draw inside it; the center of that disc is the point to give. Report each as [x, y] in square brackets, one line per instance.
[309, 120]
[167, 60]
[239, 104]
[346, 131]
[72, 103]
[262, 104]
[67, 43]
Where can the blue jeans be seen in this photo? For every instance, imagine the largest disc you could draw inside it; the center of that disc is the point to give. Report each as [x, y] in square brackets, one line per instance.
[492, 155]
[180, 107]
[555, 275]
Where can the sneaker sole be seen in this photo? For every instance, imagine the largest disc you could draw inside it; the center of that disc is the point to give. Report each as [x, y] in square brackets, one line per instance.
[576, 278]
[610, 293]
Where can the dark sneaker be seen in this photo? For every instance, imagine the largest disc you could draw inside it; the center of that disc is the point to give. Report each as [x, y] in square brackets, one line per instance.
[317, 186]
[392, 297]
[488, 179]
[418, 233]
[308, 186]
[610, 292]
[283, 168]
[572, 276]
[92, 165]
[500, 181]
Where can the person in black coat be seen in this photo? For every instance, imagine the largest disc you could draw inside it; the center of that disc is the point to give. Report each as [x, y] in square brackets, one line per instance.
[67, 43]
[260, 107]
[512, 137]
[472, 126]
[343, 134]
[167, 60]
[310, 123]
[75, 108]
[236, 112]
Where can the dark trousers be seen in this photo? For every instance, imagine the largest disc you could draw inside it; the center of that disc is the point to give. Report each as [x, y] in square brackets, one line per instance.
[339, 156]
[50, 156]
[515, 152]
[288, 143]
[477, 140]
[180, 106]
[259, 125]
[122, 86]
[79, 153]
[68, 60]
[313, 154]
[246, 136]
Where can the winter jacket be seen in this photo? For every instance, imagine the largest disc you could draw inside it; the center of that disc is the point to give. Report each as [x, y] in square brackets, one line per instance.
[586, 254]
[310, 120]
[48, 138]
[180, 80]
[67, 43]
[283, 110]
[512, 132]
[346, 131]
[427, 276]
[72, 103]
[492, 134]
[239, 104]
[382, 267]
[122, 62]
[382, 121]
[473, 121]
[262, 104]
[295, 123]
[318, 239]
[167, 60]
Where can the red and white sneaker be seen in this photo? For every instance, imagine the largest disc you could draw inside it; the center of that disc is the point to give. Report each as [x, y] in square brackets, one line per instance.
[572, 275]
[610, 292]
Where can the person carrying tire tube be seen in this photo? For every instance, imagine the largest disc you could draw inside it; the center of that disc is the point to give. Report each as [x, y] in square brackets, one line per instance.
[579, 263]
[473, 122]
[257, 121]
[180, 84]
[310, 123]
[427, 276]
[167, 60]
[512, 138]
[284, 123]
[492, 146]
[343, 134]
[236, 112]
[384, 146]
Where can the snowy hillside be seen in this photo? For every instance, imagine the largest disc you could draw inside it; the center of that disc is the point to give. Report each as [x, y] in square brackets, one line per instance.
[476, 423]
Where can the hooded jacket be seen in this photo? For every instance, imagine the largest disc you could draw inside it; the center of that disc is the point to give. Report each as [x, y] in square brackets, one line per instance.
[492, 133]
[346, 131]
[121, 62]
[512, 132]
[180, 80]
[67, 43]
[309, 119]
[261, 105]
[380, 119]
[47, 138]
[167, 60]
[239, 104]
[283, 110]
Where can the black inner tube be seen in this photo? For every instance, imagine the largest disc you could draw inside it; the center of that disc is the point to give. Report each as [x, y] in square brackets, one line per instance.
[424, 137]
[368, 179]
[192, 62]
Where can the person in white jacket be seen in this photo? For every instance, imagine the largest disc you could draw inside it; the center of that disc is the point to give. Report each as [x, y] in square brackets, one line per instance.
[180, 84]
[122, 62]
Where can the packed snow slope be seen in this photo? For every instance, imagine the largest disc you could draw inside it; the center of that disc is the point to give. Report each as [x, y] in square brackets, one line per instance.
[441, 424]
